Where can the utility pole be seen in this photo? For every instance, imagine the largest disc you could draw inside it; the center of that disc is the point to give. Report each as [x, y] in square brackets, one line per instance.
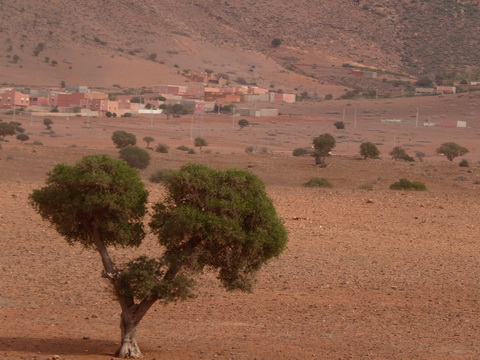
[343, 117]
[355, 119]
[416, 119]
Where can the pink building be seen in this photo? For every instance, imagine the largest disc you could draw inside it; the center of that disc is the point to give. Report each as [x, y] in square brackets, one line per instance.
[10, 99]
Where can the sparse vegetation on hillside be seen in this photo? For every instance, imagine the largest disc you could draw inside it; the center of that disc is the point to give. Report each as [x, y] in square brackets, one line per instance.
[405, 184]
[122, 138]
[135, 157]
[322, 145]
[369, 150]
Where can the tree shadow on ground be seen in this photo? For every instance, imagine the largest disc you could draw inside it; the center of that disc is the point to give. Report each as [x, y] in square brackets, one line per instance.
[58, 346]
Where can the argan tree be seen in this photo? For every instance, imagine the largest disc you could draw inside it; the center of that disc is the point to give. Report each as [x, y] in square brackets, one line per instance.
[339, 125]
[243, 123]
[6, 129]
[135, 157]
[122, 138]
[369, 150]
[219, 220]
[451, 150]
[23, 137]
[200, 142]
[48, 123]
[148, 140]
[322, 144]
[397, 153]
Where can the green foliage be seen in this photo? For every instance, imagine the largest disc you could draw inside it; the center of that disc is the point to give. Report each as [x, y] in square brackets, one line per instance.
[200, 142]
[148, 140]
[23, 137]
[162, 148]
[451, 150]
[318, 182]
[464, 163]
[98, 194]
[276, 42]
[397, 153]
[405, 184]
[161, 175]
[122, 138]
[243, 123]
[369, 150]
[127, 115]
[339, 125]
[145, 278]
[6, 129]
[135, 157]
[299, 152]
[322, 144]
[407, 158]
[222, 220]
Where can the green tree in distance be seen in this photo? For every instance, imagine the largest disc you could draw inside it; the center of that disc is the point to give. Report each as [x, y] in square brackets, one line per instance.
[322, 144]
[369, 150]
[243, 123]
[122, 138]
[200, 142]
[221, 220]
[451, 150]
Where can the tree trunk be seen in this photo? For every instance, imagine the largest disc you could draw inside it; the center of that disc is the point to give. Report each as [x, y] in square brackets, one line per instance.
[129, 348]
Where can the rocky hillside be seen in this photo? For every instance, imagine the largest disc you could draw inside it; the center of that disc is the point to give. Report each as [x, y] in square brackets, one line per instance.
[97, 41]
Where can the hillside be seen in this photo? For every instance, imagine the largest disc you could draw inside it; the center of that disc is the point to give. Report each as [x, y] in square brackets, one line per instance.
[101, 43]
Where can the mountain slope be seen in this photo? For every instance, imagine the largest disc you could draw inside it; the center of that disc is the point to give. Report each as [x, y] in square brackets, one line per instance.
[103, 42]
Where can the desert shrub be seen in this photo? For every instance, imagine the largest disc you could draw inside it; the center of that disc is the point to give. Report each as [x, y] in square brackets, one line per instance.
[318, 182]
[48, 123]
[263, 151]
[122, 138]
[127, 115]
[369, 150]
[183, 148]
[249, 149]
[243, 123]
[38, 143]
[366, 187]
[420, 155]
[162, 148]
[329, 97]
[405, 184]
[23, 137]
[397, 153]
[161, 175]
[276, 42]
[299, 152]
[340, 125]
[148, 140]
[408, 158]
[191, 151]
[135, 157]
[200, 142]
[461, 178]
[323, 144]
[464, 163]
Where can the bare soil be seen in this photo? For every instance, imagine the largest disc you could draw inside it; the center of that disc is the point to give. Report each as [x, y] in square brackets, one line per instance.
[368, 273]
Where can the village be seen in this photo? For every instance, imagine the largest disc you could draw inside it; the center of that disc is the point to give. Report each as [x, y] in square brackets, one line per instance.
[208, 94]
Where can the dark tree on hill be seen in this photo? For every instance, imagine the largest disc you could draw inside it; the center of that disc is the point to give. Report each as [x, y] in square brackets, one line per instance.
[369, 150]
[122, 138]
[276, 42]
[6, 129]
[322, 144]
[220, 220]
[48, 123]
[243, 123]
[451, 150]
[200, 142]
[148, 140]
[397, 153]
[135, 157]
[23, 137]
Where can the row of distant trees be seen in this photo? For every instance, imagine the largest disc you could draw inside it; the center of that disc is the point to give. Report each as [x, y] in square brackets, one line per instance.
[325, 143]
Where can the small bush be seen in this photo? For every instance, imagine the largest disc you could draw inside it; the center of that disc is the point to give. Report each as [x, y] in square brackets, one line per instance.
[366, 187]
[191, 151]
[249, 149]
[299, 152]
[38, 143]
[161, 175]
[135, 157]
[408, 158]
[464, 163]
[405, 184]
[339, 125]
[183, 148]
[318, 182]
[162, 148]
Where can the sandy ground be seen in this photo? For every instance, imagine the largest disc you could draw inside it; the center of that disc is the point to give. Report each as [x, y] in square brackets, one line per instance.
[368, 273]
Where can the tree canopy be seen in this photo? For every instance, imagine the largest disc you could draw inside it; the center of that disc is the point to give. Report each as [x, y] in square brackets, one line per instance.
[451, 150]
[135, 157]
[220, 220]
[323, 144]
[122, 138]
[369, 150]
